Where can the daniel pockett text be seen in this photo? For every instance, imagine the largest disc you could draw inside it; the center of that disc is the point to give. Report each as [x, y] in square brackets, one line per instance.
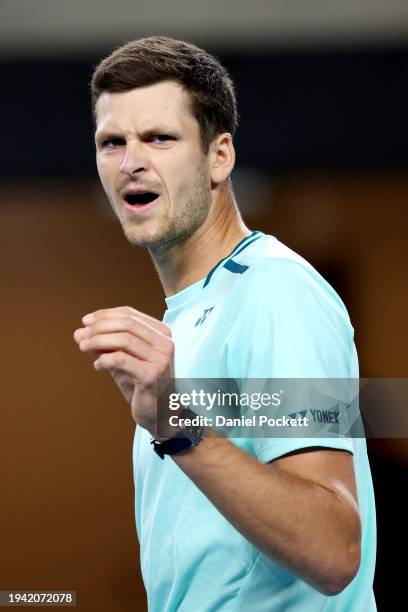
[244, 421]
[252, 401]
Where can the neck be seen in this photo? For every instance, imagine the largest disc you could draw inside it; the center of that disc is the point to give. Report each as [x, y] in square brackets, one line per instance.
[182, 264]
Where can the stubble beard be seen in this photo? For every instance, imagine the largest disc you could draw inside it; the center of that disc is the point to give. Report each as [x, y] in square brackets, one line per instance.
[186, 220]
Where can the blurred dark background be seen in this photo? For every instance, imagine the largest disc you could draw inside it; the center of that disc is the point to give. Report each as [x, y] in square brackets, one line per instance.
[322, 165]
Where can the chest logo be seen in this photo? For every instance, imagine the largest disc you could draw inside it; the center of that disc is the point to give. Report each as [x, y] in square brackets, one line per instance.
[203, 317]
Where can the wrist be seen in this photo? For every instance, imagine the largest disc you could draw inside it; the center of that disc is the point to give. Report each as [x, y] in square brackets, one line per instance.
[186, 430]
[168, 425]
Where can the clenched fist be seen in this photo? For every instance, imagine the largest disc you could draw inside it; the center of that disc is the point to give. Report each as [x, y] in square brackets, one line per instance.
[137, 350]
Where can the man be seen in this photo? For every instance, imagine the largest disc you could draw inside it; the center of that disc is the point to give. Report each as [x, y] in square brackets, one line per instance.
[257, 524]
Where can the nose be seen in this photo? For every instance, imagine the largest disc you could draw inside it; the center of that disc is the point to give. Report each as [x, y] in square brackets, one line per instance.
[133, 161]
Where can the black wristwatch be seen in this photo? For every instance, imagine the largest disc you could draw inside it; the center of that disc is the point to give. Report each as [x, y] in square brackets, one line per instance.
[184, 438]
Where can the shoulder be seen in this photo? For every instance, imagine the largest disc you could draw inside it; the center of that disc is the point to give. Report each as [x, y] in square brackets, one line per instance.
[277, 277]
[286, 320]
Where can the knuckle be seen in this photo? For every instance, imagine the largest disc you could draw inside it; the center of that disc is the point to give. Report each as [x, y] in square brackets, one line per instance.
[168, 347]
[166, 330]
[128, 310]
[172, 346]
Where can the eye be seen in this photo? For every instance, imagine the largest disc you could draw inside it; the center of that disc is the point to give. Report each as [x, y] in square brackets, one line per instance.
[160, 138]
[111, 143]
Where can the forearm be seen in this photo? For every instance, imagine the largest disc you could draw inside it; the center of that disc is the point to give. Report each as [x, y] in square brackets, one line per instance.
[307, 528]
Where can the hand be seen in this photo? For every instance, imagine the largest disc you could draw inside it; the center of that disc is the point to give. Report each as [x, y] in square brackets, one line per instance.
[136, 349]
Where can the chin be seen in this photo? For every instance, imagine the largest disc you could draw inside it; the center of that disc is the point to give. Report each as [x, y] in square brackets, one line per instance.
[145, 238]
[154, 238]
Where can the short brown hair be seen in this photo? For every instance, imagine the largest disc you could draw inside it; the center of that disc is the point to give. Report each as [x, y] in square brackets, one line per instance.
[150, 60]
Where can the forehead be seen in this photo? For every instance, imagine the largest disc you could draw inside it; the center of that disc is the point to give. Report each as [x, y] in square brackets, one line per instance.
[165, 102]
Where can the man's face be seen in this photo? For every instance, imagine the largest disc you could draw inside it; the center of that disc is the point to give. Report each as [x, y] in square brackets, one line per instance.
[148, 146]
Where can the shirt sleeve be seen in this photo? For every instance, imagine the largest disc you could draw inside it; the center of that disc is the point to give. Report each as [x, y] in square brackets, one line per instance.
[291, 324]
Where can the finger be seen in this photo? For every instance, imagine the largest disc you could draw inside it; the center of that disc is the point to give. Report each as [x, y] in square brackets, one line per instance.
[127, 311]
[121, 341]
[120, 361]
[129, 324]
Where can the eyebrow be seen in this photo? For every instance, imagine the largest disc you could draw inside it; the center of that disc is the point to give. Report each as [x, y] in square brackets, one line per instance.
[105, 133]
[159, 129]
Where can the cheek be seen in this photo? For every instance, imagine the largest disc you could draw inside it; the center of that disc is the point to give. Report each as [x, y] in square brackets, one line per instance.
[181, 174]
[105, 171]
[100, 168]
[190, 173]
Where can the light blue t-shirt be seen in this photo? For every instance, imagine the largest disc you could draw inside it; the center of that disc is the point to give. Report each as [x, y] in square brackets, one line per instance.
[262, 312]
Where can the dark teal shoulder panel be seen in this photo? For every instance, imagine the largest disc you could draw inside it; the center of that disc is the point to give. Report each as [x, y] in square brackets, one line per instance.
[235, 267]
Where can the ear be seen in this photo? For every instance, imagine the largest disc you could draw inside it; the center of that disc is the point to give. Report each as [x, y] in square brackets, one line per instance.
[222, 158]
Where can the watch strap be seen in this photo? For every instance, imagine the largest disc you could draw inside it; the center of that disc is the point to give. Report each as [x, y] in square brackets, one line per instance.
[171, 446]
[185, 437]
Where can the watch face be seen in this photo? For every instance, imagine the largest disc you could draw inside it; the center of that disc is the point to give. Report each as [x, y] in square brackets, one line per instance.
[193, 432]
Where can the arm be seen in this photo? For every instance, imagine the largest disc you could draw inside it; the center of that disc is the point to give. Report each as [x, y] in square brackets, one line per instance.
[300, 510]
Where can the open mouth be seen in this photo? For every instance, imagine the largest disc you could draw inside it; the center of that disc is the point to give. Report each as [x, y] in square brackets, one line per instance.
[141, 198]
